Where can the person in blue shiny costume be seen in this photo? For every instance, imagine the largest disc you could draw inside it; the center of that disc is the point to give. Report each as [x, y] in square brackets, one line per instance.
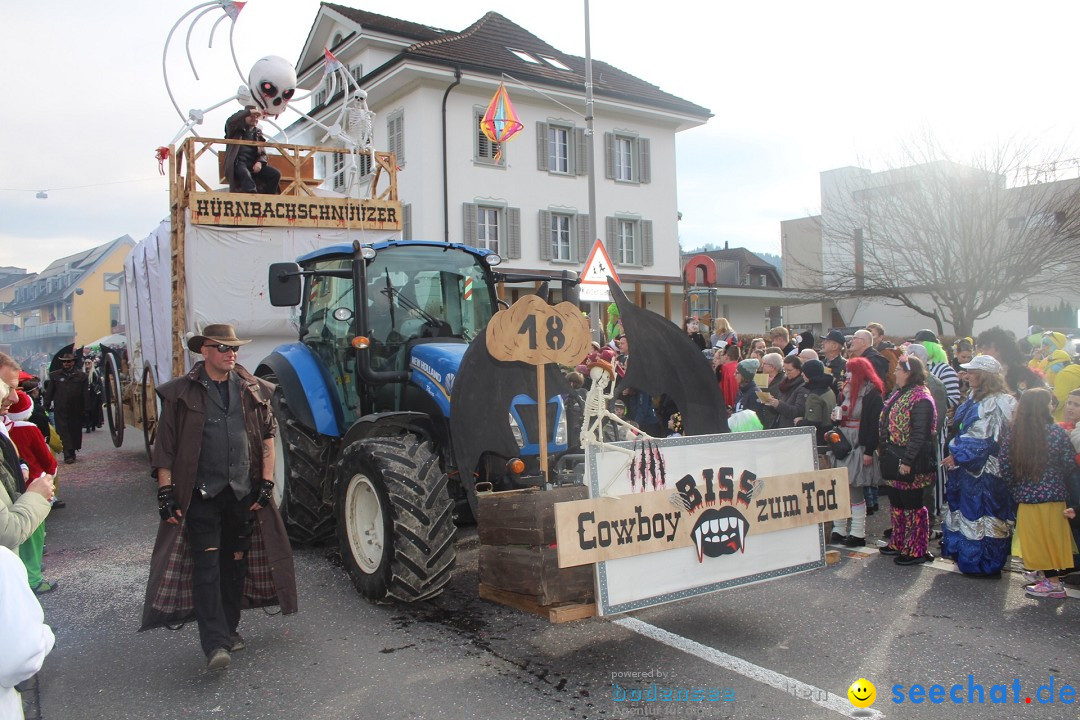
[981, 512]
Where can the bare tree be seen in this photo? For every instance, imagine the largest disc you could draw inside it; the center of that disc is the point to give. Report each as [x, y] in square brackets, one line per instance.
[950, 241]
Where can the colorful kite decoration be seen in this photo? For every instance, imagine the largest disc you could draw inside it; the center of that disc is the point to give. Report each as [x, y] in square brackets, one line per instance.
[332, 63]
[500, 121]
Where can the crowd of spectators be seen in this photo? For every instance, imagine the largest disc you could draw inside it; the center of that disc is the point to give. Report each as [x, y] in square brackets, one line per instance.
[974, 443]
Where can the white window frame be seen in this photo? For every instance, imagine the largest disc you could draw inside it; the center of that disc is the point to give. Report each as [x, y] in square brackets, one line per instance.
[563, 236]
[628, 254]
[488, 218]
[625, 158]
[554, 159]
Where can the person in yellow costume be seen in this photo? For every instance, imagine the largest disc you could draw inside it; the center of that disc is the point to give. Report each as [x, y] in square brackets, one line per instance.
[1051, 341]
[1064, 376]
[1054, 362]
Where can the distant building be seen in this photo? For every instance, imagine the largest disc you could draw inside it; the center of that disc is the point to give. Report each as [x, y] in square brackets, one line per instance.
[855, 206]
[10, 277]
[732, 283]
[527, 200]
[75, 299]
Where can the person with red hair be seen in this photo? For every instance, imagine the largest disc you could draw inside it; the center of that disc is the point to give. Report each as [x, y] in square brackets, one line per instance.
[860, 409]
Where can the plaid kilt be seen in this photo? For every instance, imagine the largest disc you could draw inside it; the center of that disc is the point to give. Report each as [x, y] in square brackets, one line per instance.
[169, 599]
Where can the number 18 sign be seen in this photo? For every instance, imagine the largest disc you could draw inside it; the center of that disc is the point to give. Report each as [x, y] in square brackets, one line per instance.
[535, 333]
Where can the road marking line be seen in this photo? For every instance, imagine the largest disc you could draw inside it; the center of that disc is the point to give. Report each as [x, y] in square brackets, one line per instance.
[749, 670]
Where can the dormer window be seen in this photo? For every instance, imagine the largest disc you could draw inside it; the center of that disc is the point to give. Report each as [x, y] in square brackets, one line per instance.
[522, 55]
[557, 64]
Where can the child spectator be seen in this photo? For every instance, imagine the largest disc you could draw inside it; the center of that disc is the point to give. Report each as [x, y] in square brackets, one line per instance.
[1036, 460]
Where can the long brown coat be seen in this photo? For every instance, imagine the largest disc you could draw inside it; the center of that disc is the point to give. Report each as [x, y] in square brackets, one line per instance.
[271, 579]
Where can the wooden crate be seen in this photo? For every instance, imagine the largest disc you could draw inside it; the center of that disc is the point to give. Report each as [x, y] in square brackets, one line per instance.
[560, 613]
[533, 571]
[522, 517]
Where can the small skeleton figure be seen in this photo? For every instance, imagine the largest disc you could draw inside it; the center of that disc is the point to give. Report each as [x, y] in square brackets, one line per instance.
[603, 369]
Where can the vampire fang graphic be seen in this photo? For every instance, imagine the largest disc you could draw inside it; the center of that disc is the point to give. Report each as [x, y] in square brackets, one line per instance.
[719, 532]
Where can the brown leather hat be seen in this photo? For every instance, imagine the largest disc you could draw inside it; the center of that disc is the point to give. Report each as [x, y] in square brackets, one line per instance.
[222, 334]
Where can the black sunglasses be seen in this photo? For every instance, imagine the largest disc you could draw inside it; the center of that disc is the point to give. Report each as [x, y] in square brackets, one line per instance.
[223, 348]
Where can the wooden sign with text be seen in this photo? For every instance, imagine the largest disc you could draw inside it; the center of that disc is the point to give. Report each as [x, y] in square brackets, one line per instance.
[724, 514]
[216, 208]
[534, 332]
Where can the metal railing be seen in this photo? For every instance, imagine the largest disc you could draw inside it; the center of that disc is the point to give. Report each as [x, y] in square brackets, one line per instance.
[38, 332]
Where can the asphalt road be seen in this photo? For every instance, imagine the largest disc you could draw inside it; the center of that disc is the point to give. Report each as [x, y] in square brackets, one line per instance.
[776, 649]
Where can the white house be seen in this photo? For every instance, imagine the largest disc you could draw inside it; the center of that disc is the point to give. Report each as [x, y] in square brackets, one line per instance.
[429, 88]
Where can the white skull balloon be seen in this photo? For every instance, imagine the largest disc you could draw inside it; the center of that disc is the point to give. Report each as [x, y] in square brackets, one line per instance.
[272, 82]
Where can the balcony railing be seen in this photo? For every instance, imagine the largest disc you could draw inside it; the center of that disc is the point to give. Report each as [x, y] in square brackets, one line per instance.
[38, 332]
[197, 173]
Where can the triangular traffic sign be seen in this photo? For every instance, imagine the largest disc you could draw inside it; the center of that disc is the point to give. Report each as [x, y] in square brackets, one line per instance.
[598, 269]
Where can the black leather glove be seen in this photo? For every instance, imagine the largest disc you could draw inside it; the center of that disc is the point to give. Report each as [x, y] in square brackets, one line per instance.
[266, 492]
[166, 502]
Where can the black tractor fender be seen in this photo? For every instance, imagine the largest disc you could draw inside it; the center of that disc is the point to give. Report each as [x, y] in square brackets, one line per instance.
[389, 424]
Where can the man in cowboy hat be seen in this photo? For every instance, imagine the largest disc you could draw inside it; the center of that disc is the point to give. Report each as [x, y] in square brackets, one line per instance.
[214, 462]
[66, 395]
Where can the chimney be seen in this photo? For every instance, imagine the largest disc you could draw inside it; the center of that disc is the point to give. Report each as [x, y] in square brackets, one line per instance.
[725, 245]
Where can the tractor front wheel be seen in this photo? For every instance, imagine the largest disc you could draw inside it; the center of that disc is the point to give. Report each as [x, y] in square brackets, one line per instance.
[395, 519]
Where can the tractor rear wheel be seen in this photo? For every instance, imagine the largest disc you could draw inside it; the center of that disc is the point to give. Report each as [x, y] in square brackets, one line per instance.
[395, 519]
[301, 467]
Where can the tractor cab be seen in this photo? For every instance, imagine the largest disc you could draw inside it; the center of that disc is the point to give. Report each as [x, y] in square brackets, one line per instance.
[365, 320]
[386, 326]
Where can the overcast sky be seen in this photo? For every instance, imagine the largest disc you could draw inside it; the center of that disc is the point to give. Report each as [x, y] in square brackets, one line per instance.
[795, 88]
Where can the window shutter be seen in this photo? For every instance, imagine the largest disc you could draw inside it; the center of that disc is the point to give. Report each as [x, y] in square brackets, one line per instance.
[513, 233]
[585, 242]
[644, 160]
[541, 146]
[483, 146]
[609, 240]
[545, 235]
[406, 222]
[646, 242]
[581, 155]
[395, 132]
[609, 156]
[468, 211]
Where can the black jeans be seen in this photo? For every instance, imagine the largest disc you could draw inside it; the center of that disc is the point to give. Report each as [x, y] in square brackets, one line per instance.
[69, 428]
[266, 181]
[224, 524]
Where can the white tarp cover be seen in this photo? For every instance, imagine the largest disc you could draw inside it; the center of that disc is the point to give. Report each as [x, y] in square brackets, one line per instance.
[227, 275]
[147, 302]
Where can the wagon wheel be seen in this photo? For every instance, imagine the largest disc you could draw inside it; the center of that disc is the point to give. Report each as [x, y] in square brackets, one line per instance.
[114, 401]
[150, 408]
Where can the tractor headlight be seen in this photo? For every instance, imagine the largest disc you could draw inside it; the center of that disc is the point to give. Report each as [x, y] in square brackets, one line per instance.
[516, 430]
[560, 429]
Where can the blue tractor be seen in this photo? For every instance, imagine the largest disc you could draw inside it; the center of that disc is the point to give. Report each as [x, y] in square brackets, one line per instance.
[363, 406]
